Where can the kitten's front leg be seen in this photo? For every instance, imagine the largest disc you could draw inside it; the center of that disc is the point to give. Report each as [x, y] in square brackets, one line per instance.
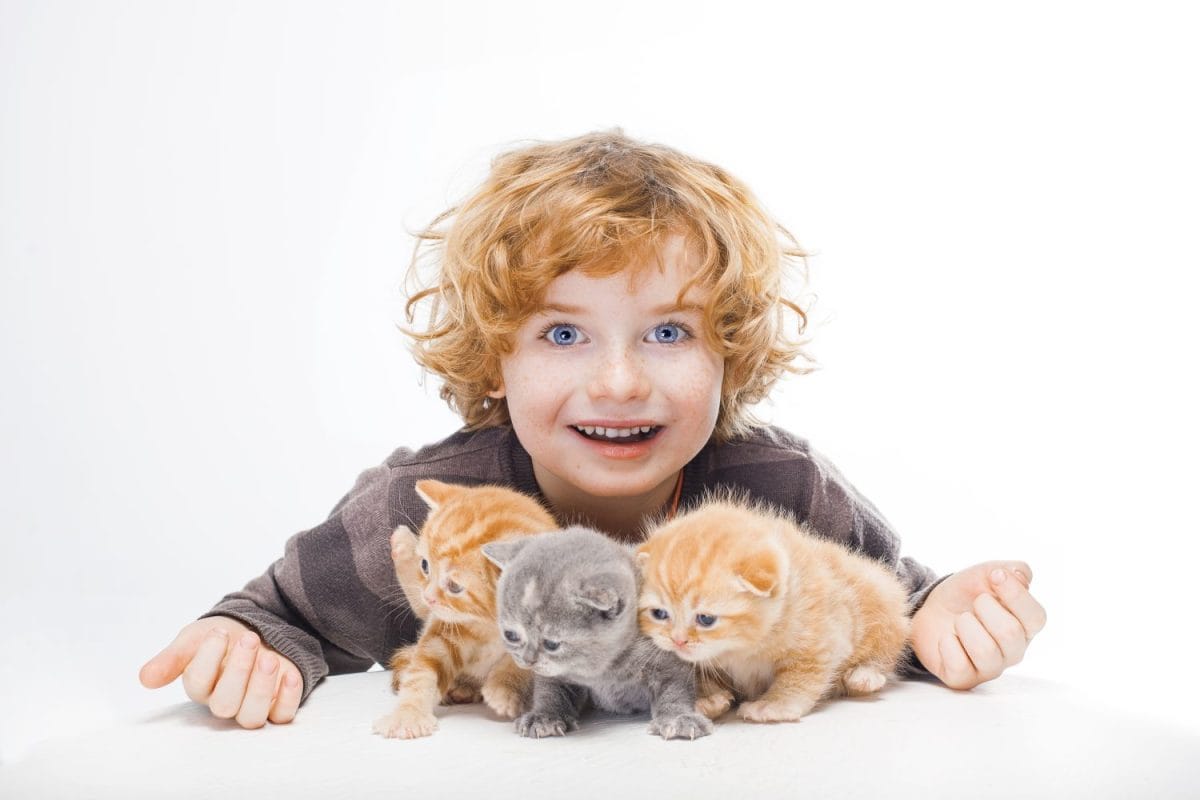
[425, 679]
[556, 709]
[713, 698]
[799, 684]
[506, 688]
[673, 712]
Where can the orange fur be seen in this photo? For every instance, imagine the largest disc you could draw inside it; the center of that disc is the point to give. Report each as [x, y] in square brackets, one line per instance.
[798, 618]
[459, 654]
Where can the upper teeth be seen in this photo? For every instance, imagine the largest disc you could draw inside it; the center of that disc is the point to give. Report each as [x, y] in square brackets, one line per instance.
[612, 433]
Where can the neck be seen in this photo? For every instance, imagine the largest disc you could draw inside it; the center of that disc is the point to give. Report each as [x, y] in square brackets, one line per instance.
[619, 517]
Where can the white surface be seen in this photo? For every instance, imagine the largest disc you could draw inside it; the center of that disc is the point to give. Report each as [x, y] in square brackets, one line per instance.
[203, 214]
[1019, 737]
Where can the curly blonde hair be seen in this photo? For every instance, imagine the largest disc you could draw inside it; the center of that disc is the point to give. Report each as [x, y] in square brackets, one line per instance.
[599, 203]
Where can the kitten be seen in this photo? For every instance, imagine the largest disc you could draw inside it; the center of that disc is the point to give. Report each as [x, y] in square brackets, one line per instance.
[772, 614]
[567, 606]
[459, 648]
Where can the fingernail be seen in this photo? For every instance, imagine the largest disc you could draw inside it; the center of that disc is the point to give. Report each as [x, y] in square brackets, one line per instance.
[219, 633]
[248, 640]
[291, 679]
[998, 576]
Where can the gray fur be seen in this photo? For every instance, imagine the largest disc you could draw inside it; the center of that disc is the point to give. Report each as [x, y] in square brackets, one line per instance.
[586, 600]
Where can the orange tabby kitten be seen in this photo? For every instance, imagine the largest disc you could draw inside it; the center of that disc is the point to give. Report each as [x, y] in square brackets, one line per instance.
[772, 615]
[460, 646]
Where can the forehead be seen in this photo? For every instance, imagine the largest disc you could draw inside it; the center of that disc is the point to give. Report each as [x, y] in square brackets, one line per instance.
[649, 282]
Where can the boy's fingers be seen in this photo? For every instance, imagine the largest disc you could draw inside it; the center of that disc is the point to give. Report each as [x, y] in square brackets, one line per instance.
[170, 663]
[1017, 599]
[981, 648]
[1019, 568]
[1003, 627]
[227, 696]
[201, 672]
[259, 691]
[957, 670]
[288, 698]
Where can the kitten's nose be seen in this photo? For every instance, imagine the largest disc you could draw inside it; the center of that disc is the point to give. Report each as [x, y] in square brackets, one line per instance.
[430, 599]
[679, 642]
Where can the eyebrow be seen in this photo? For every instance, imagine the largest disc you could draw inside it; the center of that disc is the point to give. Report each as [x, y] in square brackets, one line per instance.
[562, 308]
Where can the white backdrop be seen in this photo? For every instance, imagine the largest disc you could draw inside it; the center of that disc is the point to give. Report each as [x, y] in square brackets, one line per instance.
[203, 230]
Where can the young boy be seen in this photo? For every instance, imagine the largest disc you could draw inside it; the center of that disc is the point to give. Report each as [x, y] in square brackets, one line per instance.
[604, 314]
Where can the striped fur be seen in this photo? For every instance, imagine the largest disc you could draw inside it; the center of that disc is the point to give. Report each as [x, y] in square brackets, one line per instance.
[797, 617]
[459, 654]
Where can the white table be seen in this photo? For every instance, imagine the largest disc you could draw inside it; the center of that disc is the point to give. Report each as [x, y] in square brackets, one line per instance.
[1014, 738]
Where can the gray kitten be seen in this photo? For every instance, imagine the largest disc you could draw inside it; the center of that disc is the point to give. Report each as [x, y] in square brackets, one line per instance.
[567, 607]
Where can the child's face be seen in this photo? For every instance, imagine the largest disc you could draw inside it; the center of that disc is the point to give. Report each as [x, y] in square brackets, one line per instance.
[598, 355]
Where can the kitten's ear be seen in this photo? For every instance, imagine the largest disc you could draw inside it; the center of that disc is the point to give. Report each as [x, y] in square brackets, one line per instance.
[501, 553]
[760, 573]
[404, 541]
[640, 557]
[435, 493]
[601, 595]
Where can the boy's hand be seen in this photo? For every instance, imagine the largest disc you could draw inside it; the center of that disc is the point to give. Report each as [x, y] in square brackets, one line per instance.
[225, 668]
[977, 623]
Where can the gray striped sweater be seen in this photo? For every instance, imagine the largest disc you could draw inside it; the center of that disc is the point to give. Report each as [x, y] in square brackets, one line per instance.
[331, 604]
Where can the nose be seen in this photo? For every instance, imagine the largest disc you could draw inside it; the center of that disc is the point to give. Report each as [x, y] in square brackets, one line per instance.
[619, 375]
[430, 596]
[679, 638]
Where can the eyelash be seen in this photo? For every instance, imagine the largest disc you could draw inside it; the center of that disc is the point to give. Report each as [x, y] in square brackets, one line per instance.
[682, 326]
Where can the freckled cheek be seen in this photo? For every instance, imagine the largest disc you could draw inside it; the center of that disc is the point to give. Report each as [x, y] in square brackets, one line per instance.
[697, 388]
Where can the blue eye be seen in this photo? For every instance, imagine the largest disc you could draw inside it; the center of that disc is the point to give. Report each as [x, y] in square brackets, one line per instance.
[562, 334]
[706, 620]
[669, 333]
[659, 613]
[512, 636]
[549, 645]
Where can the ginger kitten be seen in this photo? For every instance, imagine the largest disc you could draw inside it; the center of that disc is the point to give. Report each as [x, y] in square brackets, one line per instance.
[454, 587]
[772, 615]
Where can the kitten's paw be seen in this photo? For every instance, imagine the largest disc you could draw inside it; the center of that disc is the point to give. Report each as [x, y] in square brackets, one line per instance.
[539, 726]
[684, 726]
[503, 700]
[461, 694]
[715, 704]
[406, 723]
[774, 710]
[864, 679]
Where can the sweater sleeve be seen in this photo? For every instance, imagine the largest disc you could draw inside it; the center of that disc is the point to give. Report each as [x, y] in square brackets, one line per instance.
[326, 605]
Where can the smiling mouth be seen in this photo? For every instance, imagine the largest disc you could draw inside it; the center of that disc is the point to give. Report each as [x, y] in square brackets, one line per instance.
[618, 435]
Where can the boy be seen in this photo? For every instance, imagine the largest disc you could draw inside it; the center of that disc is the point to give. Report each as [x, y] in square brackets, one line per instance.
[604, 314]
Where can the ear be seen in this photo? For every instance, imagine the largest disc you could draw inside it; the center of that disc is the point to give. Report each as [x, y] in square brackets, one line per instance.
[502, 553]
[404, 541]
[498, 392]
[641, 557]
[760, 572]
[598, 592]
[435, 493]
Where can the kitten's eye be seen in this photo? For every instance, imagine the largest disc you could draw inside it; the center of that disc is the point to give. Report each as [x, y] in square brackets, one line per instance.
[550, 646]
[659, 613]
[453, 588]
[563, 335]
[512, 636]
[706, 620]
[425, 565]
